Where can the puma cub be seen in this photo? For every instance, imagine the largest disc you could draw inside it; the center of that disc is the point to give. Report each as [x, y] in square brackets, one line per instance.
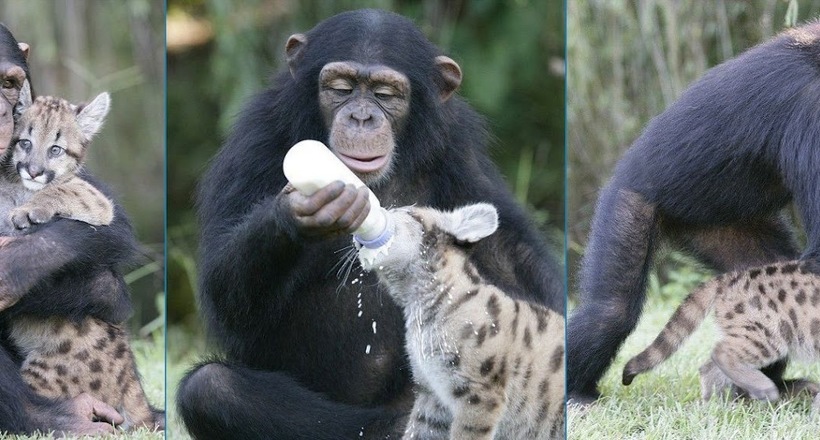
[487, 366]
[764, 314]
[39, 170]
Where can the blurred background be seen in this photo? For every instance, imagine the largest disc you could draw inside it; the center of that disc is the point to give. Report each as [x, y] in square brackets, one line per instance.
[80, 48]
[628, 61]
[222, 52]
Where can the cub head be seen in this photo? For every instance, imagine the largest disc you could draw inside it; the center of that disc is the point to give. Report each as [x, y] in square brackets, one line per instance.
[52, 135]
[422, 230]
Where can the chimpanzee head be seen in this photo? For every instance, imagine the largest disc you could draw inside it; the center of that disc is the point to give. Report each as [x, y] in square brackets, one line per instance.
[13, 72]
[376, 76]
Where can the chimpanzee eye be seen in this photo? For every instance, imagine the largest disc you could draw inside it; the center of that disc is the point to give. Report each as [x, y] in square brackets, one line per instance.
[55, 151]
[9, 83]
[384, 93]
[25, 144]
[340, 86]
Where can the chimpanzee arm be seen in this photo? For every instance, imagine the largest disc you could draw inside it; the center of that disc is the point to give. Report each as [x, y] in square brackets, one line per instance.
[67, 251]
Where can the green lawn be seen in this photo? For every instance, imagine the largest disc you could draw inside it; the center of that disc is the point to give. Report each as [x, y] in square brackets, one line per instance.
[664, 403]
[150, 356]
[185, 348]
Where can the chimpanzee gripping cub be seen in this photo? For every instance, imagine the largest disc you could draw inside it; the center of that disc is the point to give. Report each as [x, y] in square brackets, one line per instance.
[303, 359]
[63, 268]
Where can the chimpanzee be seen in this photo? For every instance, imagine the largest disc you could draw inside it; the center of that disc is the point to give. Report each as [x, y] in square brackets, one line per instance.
[66, 268]
[313, 355]
[711, 173]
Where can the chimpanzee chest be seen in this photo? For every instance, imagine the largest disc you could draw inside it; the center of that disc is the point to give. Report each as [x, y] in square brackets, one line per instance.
[347, 341]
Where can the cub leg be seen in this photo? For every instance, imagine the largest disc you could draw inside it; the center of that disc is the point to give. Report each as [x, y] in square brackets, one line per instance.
[477, 413]
[712, 381]
[75, 199]
[429, 420]
[744, 372]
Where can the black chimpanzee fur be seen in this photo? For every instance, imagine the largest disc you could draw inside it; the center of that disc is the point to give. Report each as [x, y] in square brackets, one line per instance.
[296, 365]
[712, 173]
[66, 268]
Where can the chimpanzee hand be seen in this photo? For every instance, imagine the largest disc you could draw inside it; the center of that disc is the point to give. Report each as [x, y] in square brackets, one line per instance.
[6, 298]
[333, 210]
[91, 417]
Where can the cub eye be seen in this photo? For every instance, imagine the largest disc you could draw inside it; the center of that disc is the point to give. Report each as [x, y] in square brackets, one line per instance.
[25, 144]
[55, 151]
[9, 83]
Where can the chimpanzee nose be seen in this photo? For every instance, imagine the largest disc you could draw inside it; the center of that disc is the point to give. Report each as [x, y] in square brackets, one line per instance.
[361, 116]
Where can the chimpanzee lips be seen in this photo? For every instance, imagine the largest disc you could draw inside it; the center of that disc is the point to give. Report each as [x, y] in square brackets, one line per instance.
[363, 164]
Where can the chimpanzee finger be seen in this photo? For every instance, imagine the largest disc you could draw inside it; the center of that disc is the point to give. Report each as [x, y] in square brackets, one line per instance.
[355, 215]
[324, 220]
[303, 206]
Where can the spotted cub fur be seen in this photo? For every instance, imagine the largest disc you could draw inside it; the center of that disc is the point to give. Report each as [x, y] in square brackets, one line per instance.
[486, 365]
[764, 314]
[40, 169]
[65, 359]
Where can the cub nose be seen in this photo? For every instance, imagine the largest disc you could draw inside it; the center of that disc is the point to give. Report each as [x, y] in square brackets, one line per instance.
[34, 170]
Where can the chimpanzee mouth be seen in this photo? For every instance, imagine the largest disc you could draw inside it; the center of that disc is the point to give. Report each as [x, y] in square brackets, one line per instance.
[363, 164]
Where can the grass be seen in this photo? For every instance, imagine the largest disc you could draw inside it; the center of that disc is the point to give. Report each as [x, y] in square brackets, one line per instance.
[150, 356]
[185, 348]
[665, 403]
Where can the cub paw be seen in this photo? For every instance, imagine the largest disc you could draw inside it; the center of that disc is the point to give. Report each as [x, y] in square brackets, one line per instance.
[39, 216]
[769, 394]
[24, 218]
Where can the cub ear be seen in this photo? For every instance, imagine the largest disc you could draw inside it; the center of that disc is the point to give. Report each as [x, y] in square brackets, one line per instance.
[25, 99]
[471, 223]
[90, 117]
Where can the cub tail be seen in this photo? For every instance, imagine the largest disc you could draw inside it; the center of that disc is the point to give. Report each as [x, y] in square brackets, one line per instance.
[683, 322]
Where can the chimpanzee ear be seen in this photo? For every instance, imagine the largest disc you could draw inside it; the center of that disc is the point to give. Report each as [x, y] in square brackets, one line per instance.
[450, 74]
[294, 49]
[90, 117]
[25, 48]
[470, 223]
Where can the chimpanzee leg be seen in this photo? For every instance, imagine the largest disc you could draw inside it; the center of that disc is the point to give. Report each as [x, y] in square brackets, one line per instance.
[613, 286]
[218, 400]
[13, 417]
[734, 247]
